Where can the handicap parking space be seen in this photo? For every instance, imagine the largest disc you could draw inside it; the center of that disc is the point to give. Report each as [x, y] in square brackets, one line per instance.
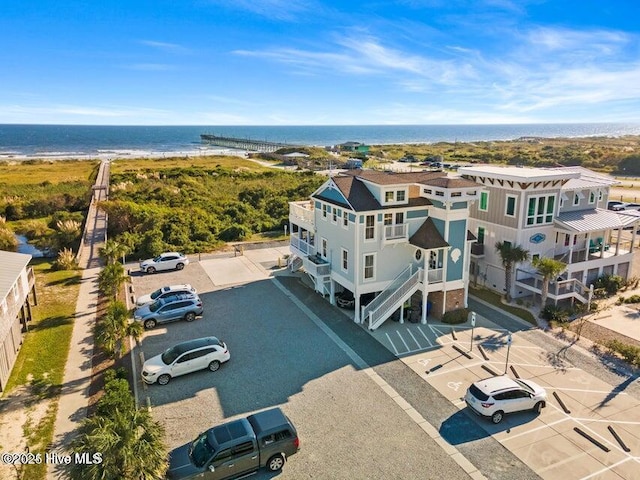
[550, 442]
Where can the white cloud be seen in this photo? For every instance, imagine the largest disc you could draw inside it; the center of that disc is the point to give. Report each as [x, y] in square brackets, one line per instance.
[166, 47]
[282, 10]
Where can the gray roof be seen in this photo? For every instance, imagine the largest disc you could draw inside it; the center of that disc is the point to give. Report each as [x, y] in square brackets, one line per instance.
[12, 265]
[428, 237]
[594, 219]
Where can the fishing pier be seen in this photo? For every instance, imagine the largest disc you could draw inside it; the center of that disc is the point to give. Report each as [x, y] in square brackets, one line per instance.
[244, 143]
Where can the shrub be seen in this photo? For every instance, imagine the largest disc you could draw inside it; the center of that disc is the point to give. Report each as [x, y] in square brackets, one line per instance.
[610, 283]
[630, 353]
[632, 299]
[66, 260]
[454, 317]
[552, 313]
[117, 396]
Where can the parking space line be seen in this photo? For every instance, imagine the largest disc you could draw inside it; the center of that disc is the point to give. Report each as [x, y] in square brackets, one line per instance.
[417, 350]
[395, 350]
[606, 469]
[564, 461]
[402, 339]
[461, 367]
[425, 337]
[533, 365]
[542, 427]
[585, 390]
[414, 338]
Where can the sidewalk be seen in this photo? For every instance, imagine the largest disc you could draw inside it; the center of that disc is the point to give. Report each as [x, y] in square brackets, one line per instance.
[74, 397]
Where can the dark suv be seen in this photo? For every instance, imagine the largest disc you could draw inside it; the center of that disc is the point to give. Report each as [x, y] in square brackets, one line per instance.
[237, 448]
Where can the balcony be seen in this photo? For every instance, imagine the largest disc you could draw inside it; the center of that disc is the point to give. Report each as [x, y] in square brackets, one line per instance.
[302, 213]
[396, 233]
[435, 275]
[477, 249]
[316, 266]
[302, 248]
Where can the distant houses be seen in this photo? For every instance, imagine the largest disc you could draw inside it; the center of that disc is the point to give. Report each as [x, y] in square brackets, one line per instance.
[354, 147]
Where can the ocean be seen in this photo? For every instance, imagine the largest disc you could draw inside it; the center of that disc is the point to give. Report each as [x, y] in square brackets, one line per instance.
[59, 141]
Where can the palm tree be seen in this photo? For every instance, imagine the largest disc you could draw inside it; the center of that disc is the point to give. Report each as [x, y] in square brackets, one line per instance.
[549, 268]
[112, 251]
[114, 328]
[131, 444]
[111, 279]
[510, 255]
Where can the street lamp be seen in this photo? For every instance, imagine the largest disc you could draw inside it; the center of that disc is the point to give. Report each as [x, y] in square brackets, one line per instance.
[506, 363]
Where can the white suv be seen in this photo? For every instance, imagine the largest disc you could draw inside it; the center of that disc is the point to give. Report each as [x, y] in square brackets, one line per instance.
[186, 357]
[164, 261]
[495, 396]
[163, 292]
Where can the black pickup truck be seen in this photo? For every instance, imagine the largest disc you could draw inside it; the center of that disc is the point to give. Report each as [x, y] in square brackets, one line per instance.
[264, 439]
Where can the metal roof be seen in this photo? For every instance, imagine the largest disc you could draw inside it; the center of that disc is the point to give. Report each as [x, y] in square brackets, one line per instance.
[11, 265]
[594, 220]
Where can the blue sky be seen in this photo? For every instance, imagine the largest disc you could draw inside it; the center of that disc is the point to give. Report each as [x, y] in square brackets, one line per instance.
[311, 62]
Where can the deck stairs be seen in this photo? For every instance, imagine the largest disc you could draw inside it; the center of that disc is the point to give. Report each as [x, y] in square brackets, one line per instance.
[392, 297]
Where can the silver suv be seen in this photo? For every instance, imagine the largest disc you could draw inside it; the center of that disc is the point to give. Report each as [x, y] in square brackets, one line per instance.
[495, 396]
[175, 307]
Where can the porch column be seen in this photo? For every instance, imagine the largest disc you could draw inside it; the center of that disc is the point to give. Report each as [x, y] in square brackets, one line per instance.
[332, 292]
[588, 246]
[425, 282]
[356, 296]
[423, 319]
[633, 236]
[617, 240]
[572, 239]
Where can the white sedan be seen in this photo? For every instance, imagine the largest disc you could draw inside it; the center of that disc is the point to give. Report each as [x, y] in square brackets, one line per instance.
[163, 292]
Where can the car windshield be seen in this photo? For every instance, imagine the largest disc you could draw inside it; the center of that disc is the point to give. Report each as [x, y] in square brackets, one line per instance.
[169, 356]
[201, 450]
[155, 294]
[158, 258]
[155, 306]
[525, 386]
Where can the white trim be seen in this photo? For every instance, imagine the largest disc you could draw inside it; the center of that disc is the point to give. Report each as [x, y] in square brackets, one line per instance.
[342, 260]
[372, 239]
[506, 205]
[366, 279]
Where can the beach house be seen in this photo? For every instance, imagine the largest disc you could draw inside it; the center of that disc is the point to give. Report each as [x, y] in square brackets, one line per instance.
[402, 237]
[559, 213]
[17, 294]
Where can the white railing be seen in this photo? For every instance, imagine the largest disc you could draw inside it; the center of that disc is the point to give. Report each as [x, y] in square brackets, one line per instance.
[395, 232]
[393, 286]
[304, 247]
[303, 211]
[316, 266]
[558, 290]
[435, 276]
[391, 303]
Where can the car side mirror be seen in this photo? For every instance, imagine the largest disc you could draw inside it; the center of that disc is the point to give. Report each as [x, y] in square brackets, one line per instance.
[212, 468]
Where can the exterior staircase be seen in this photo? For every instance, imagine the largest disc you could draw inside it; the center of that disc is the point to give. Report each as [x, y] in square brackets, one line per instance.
[392, 297]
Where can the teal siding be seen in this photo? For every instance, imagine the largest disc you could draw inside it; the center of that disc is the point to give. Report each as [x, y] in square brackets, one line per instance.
[333, 194]
[439, 225]
[437, 203]
[457, 240]
[352, 217]
[318, 205]
[417, 213]
[379, 217]
[459, 205]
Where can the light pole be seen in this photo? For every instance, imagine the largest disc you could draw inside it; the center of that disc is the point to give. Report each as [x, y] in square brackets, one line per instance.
[506, 363]
[473, 324]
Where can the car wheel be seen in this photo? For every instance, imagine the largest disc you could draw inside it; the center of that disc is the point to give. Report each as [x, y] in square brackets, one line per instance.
[180, 266]
[151, 270]
[164, 379]
[190, 317]
[149, 324]
[497, 416]
[214, 365]
[275, 463]
[538, 407]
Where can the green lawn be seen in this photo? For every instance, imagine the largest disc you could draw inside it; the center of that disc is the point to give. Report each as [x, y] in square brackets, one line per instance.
[494, 299]
[42, 358]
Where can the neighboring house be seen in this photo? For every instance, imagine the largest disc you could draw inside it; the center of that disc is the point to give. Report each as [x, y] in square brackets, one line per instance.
[354, 147]
[402, 236]
[17, 282]
[551, 212]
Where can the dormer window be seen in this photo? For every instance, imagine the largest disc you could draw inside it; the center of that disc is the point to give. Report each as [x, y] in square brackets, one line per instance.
[388, 197]
[592, 197]
[439, 193]
[400, 195]
[456, 194]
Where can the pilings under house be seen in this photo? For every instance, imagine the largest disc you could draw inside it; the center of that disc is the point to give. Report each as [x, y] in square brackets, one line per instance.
[244, 143]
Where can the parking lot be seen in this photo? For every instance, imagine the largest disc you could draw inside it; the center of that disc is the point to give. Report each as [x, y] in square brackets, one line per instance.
[353, 427]
[348, 426]
[548, 443]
